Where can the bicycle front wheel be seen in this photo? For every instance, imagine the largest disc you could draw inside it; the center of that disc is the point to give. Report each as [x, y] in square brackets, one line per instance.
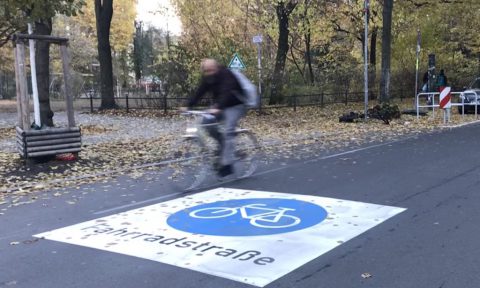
[188, 167]
[247, 153]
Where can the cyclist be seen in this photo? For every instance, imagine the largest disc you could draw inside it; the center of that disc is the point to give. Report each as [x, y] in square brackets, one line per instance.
[227, 108]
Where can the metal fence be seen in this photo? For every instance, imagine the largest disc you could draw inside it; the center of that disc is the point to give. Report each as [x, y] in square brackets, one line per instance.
[431, 100]
[135, 99]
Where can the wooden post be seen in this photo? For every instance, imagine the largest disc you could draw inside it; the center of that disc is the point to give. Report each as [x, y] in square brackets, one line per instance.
[17, 86]
[22, 77]
[67, 80]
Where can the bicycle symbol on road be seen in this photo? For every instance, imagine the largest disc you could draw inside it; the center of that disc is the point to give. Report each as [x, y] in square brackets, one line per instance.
[248, 217]
[263, 218]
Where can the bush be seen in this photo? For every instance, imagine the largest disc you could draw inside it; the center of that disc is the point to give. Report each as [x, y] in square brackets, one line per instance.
[384, 112]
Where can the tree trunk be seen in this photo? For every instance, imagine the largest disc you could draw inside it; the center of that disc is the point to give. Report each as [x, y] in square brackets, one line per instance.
[386, 51]
[103, 14]
[42, 59]
[137, 51]
[283, 13]
[308, 41]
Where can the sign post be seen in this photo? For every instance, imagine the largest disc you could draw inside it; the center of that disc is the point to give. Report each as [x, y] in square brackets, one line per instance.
[366, 57]
[431, 80]
[416, 64]
[258, 39]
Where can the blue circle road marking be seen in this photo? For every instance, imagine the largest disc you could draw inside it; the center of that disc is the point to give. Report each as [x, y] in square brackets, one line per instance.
[248, 217]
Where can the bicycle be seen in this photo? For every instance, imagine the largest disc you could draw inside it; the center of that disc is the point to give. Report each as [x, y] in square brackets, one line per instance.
[194, 155]
[258, 214]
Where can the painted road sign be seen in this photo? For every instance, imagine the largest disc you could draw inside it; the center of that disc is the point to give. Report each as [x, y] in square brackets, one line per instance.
[236, 63]
[248, 236]
[248, 217]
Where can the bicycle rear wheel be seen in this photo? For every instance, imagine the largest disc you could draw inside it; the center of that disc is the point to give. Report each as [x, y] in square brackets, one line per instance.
[188, 167]
[246, 153]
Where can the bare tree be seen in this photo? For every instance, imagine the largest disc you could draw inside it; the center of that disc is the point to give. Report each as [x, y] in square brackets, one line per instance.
[283, 13]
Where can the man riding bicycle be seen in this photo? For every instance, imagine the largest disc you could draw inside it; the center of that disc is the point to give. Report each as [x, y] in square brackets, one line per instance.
[226, 107]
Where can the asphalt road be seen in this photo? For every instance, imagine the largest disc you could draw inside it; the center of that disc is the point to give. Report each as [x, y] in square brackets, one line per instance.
[434, 243]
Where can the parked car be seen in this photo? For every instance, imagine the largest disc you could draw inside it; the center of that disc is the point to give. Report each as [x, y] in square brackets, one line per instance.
[471, 97]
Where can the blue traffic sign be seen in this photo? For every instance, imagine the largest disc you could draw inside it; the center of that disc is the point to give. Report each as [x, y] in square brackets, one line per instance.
[248, 217]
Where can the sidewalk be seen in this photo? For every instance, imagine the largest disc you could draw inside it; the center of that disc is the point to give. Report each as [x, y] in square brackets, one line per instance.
[115, 143]
[97, 128]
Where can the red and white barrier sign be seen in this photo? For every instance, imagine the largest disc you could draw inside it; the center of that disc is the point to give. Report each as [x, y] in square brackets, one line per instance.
[445, 98]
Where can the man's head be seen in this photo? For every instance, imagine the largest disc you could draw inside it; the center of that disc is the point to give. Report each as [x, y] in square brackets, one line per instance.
[209, 67]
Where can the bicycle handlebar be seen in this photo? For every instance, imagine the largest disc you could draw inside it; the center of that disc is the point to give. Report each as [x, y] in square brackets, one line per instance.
[195, 112]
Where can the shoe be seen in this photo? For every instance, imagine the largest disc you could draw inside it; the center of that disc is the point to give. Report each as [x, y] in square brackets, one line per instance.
[225, 171]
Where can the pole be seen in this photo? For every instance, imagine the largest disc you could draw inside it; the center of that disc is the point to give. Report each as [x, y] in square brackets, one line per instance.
[258, 39]
[366, 57]
[417, 61]
[22, 77]
[91, 101]
[36, 102]
[259, 58]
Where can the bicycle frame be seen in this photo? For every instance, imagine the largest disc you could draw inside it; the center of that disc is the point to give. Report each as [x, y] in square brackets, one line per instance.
[198, 129]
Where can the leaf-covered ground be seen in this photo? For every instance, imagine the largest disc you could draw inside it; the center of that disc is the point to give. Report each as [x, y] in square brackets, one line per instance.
[282, 132]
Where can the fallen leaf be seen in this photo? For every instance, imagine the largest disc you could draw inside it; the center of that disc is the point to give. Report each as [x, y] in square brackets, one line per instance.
[366, 275]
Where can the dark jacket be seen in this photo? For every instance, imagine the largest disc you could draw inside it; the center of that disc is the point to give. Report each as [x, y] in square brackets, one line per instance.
[223, 86]
[441, 80]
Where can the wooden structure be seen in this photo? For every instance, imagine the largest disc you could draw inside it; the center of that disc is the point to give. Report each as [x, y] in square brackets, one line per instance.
[50, 141]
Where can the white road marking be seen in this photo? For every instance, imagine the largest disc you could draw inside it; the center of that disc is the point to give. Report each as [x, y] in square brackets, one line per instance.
[253, 237]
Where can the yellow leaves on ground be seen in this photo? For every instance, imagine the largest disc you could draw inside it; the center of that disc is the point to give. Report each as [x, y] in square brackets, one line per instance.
[94, 129]
[7, 133]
